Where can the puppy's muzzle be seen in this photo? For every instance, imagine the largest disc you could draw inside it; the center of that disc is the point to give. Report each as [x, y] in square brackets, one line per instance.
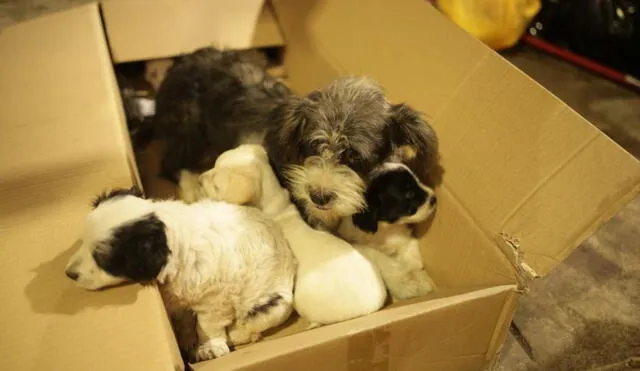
[321, 197]
[73, 275]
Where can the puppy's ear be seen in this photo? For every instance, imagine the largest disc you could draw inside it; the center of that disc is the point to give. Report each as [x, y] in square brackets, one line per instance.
[366, 220]
[137, 251]
[287, 125]
[415, 143]
[116, 192]
[230, 185]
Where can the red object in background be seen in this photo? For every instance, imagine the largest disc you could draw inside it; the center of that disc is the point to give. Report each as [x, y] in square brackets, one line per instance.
[581, 61]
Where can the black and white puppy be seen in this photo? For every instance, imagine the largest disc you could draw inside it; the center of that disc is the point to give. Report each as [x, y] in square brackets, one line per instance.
[229, 265]
[326, 145]
[396, 199]
[211, 101]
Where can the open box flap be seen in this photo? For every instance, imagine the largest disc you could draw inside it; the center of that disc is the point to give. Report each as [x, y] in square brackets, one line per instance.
[532, 176]
[63, 141]
[148, 29]
[449, 333]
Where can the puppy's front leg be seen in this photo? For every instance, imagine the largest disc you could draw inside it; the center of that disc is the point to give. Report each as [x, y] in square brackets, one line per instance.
[212, 335]
[402, 280]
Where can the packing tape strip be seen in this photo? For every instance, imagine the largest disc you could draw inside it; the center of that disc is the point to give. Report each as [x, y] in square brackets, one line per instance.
[369, 350]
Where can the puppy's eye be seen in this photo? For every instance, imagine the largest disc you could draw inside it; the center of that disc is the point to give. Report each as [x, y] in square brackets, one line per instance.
[308, 150]
[410, 194]
[353, 157]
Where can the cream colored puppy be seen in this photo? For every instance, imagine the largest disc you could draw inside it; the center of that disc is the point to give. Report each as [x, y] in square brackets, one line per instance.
[334, 282]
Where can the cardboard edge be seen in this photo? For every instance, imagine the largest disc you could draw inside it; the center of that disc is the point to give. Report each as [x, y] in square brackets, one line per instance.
[510, 247]
[117, 98]
[271, 349]
[501, 331]
[263, 22]
[172, 344]
[611, 211]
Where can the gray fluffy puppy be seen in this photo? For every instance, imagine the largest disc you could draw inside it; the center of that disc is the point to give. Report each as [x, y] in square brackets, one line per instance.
[322, 146]
[327, 144]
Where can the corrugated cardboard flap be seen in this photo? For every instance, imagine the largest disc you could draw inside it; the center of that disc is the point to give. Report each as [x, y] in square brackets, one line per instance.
[64, 140]
[530, 172]
[459, 332]
[148, 29]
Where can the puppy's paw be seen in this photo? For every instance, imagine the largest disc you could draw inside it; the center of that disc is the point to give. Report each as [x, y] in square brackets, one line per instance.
[241, 335]
[213, 348]
[413, 284]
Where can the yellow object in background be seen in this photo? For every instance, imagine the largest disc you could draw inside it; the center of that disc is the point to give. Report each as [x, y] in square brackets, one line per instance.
[497, 23]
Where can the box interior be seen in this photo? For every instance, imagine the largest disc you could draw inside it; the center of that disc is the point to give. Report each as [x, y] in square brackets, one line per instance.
[526, 179]
[461, 246]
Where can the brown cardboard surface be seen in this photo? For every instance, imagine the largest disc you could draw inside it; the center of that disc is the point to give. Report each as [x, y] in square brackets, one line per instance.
[512, 152]
[62, 143]
[518, 162]
[552, 176]
[453, 332]
[147, 29]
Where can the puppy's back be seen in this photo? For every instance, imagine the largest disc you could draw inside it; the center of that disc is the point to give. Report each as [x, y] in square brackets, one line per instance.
[209, 102]
[334, 281]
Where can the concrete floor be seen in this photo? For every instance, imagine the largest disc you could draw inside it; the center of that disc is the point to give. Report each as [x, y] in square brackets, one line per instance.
[586, 313]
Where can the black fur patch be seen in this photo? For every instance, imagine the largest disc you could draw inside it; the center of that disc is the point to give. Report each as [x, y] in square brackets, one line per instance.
[273, 301]
[137, 251]
[390, 196]
[208, 101]
[116, 192]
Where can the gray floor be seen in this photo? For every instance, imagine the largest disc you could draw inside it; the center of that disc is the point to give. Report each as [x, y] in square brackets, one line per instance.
[586, 313]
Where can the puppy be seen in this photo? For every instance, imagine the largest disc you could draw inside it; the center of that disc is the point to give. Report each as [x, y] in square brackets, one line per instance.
[228, 265]
[322, 146]
[211, 101]
[326, 144]
[396, 199]
[334, 282]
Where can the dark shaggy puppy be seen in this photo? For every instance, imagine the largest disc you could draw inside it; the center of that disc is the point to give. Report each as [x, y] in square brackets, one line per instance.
[326, 145]
[211, 101]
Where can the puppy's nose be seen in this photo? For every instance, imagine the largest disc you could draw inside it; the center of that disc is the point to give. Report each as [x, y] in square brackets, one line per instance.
[433, 201]
[321, 198]
[71, 274]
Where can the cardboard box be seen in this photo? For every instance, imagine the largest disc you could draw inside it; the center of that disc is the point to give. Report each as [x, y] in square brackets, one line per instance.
[527, 179]
[149, 29]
